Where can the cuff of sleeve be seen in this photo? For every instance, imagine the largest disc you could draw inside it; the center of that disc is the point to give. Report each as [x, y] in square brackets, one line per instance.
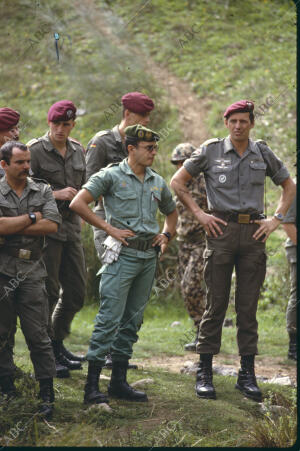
[191, 168]
[280, 176]
[91, 192]
[169, 208]
[52, 217]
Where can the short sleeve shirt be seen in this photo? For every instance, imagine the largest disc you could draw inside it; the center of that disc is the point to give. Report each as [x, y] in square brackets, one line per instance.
[35, 197]
[104, 148]
[234, 183]
[130, 203]
[48, 164]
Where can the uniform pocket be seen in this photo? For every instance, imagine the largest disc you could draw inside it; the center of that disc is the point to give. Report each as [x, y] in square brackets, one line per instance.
[126, 204]
[222, 176]
[257, 172]
[78, 170]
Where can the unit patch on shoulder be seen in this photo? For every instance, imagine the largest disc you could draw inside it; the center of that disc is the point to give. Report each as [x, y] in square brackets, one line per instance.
[261, 141]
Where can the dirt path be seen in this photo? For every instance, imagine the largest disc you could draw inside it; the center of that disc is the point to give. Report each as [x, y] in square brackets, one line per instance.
[265, 367]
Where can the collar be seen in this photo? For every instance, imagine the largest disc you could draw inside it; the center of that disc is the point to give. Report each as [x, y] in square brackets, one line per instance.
[5, 188]
[124, 166]
[252, 146]
[116, 133]
[47, 143]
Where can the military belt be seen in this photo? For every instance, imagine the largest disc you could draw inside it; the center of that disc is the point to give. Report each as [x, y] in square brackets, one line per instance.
[240, 218]
[141, 245]
[24, 254]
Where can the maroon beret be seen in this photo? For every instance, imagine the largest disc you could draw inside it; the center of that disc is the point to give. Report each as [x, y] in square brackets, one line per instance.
[242, 106]
[8, 118]
[137, 102]
[64, 110]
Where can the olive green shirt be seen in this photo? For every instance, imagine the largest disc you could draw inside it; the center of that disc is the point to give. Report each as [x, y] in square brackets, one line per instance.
[234, 183]
[35, 197]
[104, 148]
[130, 203]
[48, 164]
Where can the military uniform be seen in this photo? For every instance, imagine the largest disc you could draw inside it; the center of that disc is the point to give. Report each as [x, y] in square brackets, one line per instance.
[104, 148]
[191, 237]
[291, 254]
[126, 284]
[22, 280]
[235, 191]
[64, 256]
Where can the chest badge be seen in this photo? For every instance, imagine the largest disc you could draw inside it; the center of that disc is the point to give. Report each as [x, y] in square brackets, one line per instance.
[222, 178]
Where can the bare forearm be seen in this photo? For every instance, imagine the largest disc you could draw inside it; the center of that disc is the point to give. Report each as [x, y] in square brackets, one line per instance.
[10, 226]
[42, 227]
[287, 196]
[170, 223]
[83, 210]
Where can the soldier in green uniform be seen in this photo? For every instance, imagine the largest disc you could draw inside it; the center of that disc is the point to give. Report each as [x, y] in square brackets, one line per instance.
[235, 169]
[132, 194]
[108, 146]
[289, 225]
[27, 212]
[9, 129]
[59, 159]
[191, 239]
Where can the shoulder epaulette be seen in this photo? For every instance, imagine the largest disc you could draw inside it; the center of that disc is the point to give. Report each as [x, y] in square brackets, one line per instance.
[75, 141]
[112, 164]
[32, 141]
[36, 180]
[262, 141]
[101, 133]
[210, 141]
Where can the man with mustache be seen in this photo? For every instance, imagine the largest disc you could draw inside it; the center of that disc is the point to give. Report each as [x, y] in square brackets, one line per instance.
[59, 159]
[27, 212]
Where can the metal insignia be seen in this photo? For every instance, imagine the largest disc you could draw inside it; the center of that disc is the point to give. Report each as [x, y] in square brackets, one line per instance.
[140, 134]
[222, 178]
[148, 135]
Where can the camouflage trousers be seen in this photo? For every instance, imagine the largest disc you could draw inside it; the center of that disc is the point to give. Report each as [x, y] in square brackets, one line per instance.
[291, 311]
[191, 267]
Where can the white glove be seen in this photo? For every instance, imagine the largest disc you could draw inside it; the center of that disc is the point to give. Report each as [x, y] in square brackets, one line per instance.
[113, 249]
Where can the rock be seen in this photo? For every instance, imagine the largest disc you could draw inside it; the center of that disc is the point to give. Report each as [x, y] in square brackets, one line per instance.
[102, 406]
[281, 380]
[105, 378]
[228, 322]
[188, 363]
[176, 323]
[223, 371]
[142, 382]
[276, 410]
[190, 369]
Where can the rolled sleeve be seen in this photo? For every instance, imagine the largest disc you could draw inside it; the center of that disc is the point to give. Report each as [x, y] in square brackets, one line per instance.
[290, 217]
[98, 184]
[50, 210]
[167, 204]
[197, 162]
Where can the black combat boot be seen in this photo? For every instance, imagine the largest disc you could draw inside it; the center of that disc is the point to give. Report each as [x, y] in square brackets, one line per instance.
[71, 356]
[292, 354]
[92, 395]
[46, 394]
[246, 382]
[191, 347]
[61, 359]
[119, 388]
[204, 386]
[8, 387]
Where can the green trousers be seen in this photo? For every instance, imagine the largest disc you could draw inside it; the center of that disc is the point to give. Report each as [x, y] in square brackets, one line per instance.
[65, 266]
[28, 300]
[125, 288]
[236, 248]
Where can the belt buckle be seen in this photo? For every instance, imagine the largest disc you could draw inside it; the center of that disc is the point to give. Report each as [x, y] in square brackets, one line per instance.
[243, 219]
[25, 254]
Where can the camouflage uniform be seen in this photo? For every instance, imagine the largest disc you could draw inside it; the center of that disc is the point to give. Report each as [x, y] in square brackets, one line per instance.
[191, 238]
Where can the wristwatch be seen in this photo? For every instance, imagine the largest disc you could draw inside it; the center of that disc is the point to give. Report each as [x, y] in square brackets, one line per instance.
[279, 216]
[167, 234]
[32, 216]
